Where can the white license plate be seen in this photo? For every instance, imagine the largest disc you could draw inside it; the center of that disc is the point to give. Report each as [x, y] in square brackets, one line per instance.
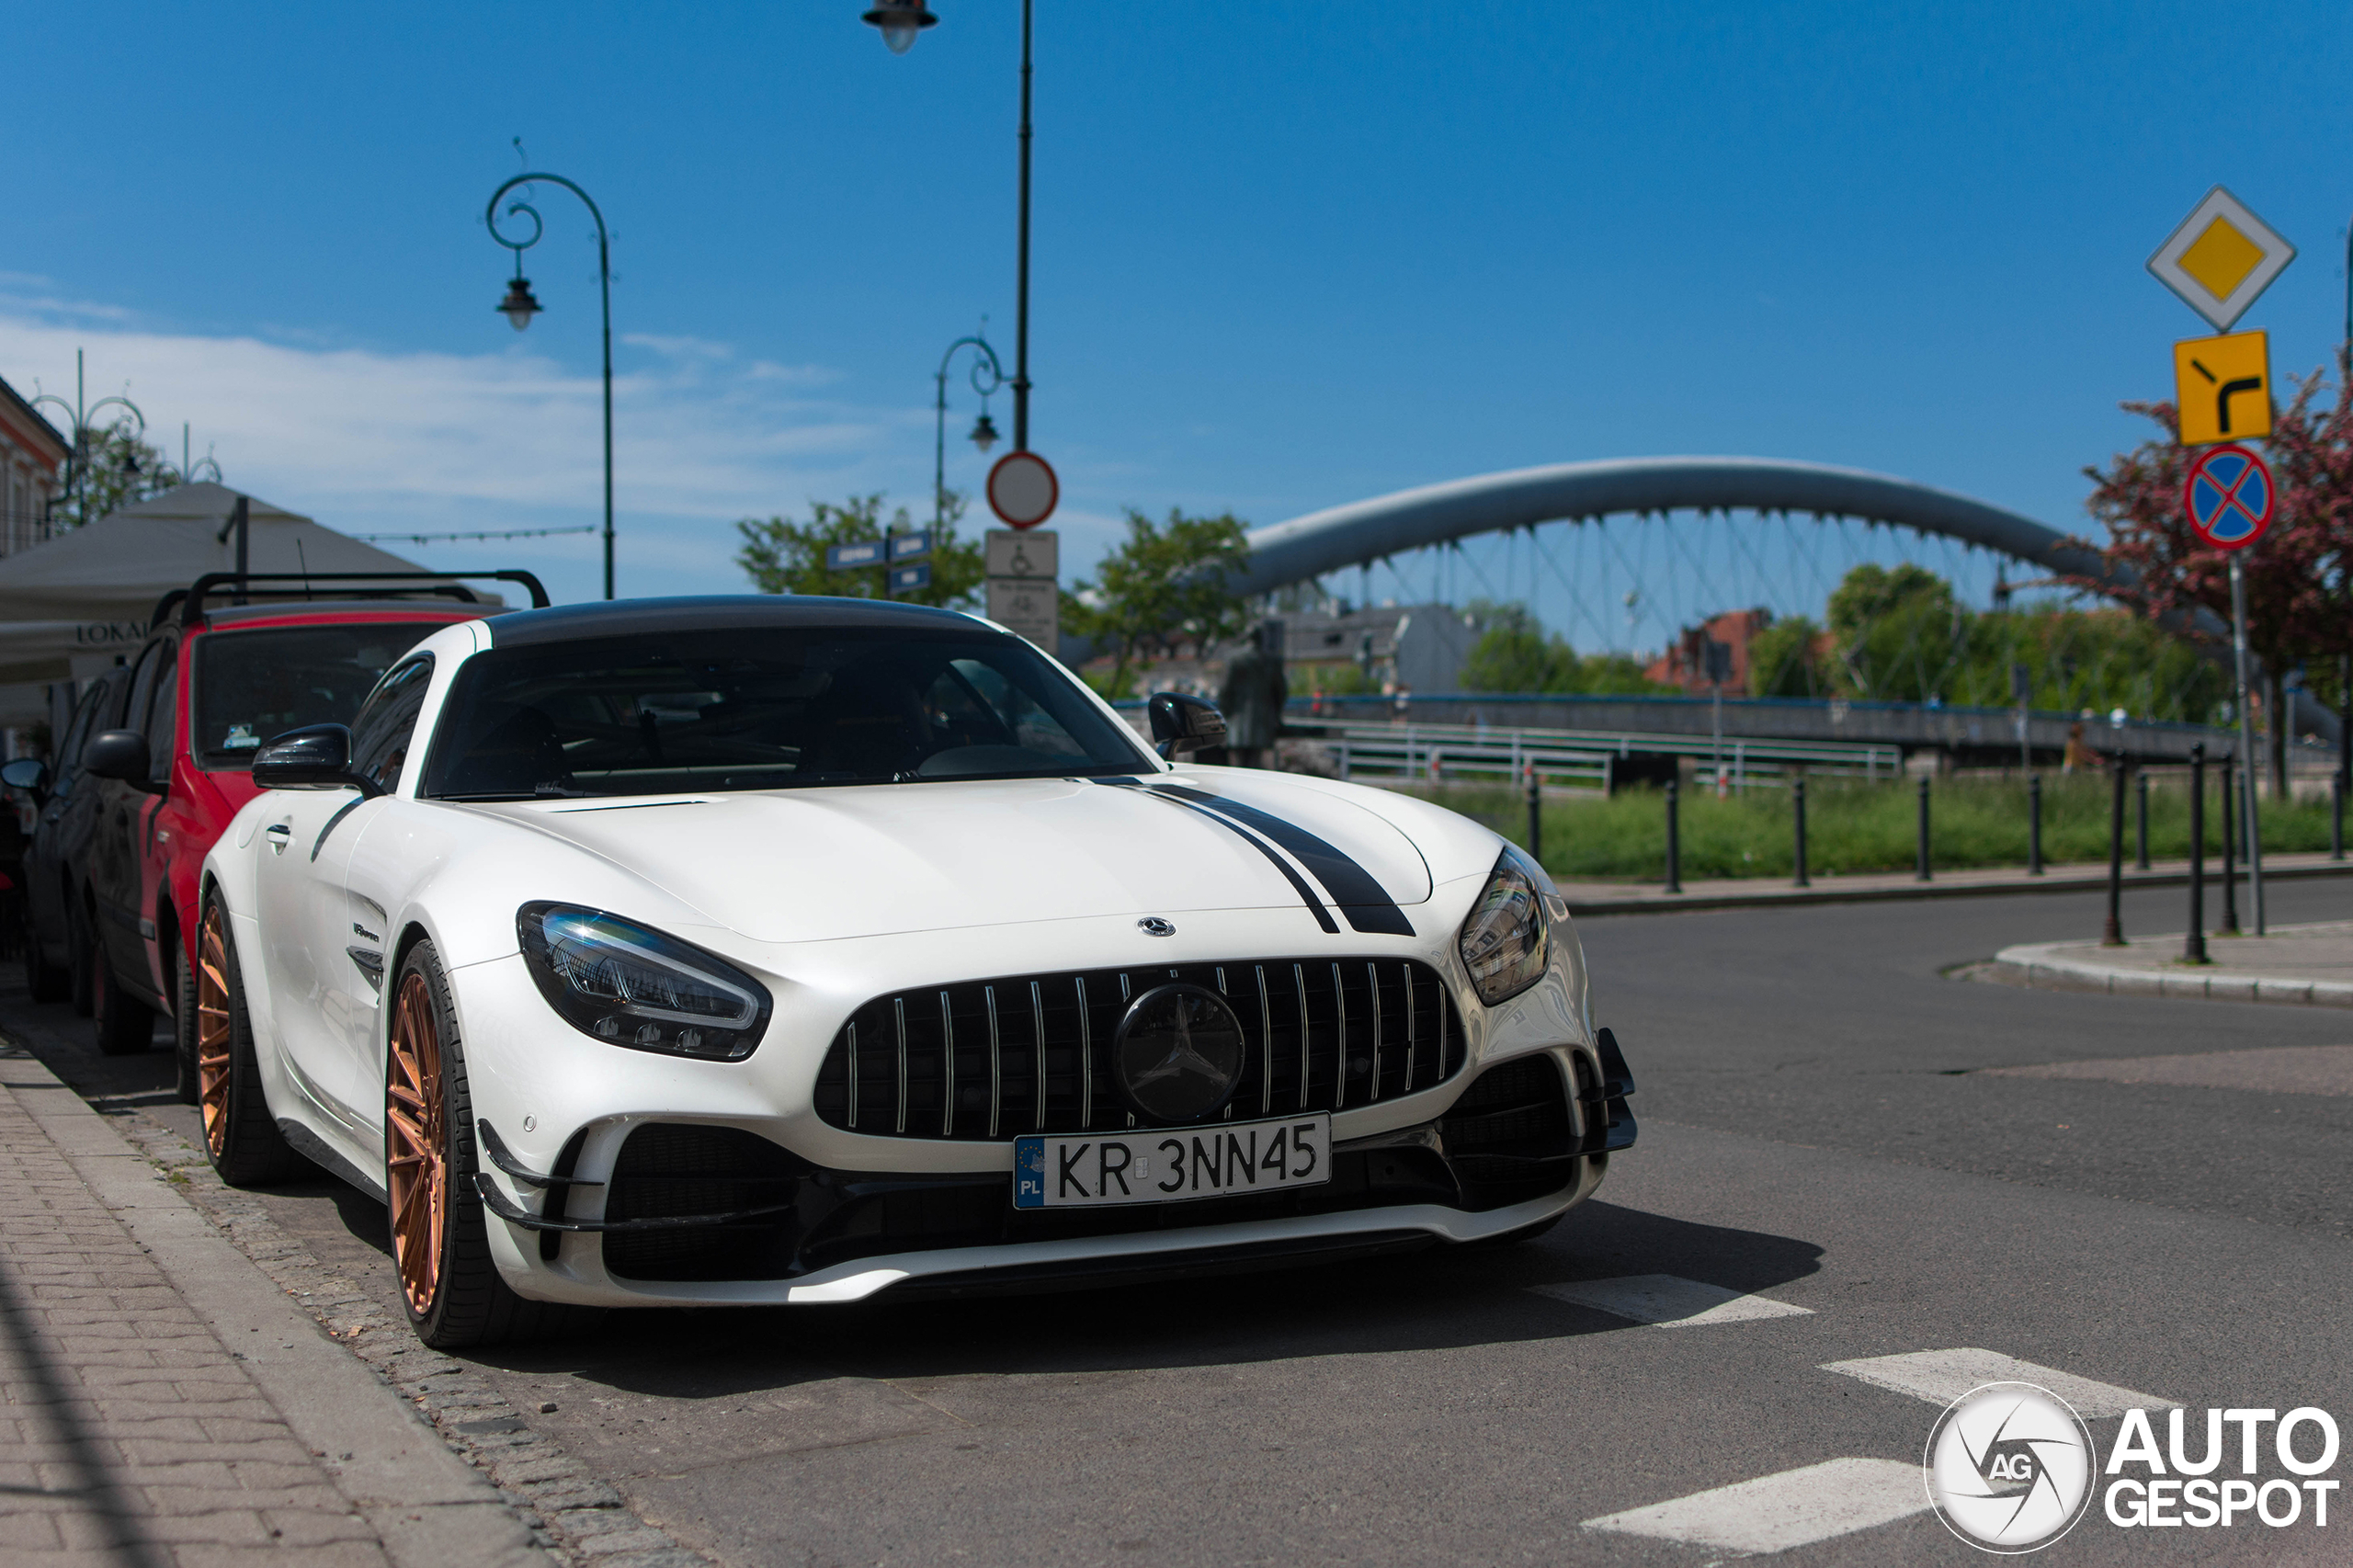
[1171, 1164]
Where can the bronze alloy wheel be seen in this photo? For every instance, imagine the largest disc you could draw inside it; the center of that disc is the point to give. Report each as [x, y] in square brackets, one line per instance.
[415, 1143]
[213, 1047]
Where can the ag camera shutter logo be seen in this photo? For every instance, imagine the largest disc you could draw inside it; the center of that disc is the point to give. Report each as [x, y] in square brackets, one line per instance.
[2010, 1467]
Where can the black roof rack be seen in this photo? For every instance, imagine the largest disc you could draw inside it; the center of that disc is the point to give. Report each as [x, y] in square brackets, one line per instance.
[189, 601]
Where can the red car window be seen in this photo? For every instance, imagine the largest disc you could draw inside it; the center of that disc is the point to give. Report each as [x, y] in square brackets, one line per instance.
[252, 685]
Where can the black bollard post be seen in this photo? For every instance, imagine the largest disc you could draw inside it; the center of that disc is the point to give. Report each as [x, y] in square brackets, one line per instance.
[2229, 924]
[2141, 834]
[1921, 875]
[2336, 816]
[1674, 842]
[2193, 948]
[2034, 824]
[1535, 817]
[2112, 935]
[1797, 819]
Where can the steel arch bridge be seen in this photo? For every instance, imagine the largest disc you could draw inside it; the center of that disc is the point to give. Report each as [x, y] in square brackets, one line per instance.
[1364, 532]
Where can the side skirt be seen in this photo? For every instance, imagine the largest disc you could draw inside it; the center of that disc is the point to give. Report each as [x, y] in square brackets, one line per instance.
[320, 1152]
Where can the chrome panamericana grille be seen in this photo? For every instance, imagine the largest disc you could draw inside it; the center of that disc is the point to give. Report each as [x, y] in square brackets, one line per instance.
[991, 1060]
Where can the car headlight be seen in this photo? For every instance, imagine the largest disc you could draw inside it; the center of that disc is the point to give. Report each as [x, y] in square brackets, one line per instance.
[1504, 944]
[626, 984]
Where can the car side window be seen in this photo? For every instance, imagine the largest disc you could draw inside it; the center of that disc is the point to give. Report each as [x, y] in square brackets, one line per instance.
[387, 721]
[161, 717]
[69, 753]
[142, 687]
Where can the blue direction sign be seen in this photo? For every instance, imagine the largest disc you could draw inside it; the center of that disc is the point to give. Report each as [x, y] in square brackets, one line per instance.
[2229, 497]
[906, 547]
[904, 578]
[843, 557]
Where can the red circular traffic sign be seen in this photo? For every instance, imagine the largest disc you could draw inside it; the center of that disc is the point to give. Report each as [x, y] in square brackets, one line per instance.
[2229, 496]
[1023, 490]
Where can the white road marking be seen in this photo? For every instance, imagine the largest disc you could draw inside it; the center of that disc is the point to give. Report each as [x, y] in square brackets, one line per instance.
[1666, 1300]
[1942, 1376]
[1774, 1513]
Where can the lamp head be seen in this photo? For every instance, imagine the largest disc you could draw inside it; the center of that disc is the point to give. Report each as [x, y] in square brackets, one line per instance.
[900, 21]
[983, 433]
[519, 306]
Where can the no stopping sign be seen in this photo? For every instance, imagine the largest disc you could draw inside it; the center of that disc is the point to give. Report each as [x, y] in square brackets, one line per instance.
[1023, 490]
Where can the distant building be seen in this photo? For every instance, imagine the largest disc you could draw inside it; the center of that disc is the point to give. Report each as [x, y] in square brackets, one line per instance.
[1415, 648]
[32, 471]
[1686, 663]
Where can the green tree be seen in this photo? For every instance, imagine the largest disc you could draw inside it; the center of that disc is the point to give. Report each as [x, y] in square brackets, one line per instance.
[1901, 634]
[118, 468]
[1167, 585]
[782, 556]
[1514, 652]
[1784, 660]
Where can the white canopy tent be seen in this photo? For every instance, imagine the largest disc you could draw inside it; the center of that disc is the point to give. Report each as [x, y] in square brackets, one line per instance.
[72, 605]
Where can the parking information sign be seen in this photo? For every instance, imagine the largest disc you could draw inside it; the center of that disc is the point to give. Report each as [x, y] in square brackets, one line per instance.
[2229, 497]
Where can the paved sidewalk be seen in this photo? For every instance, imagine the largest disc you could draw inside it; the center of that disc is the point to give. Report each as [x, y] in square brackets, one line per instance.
[1749, 892]
[162, 1403]
[2299, 965]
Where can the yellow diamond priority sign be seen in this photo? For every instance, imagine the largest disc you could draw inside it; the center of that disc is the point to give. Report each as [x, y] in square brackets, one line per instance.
[2221, 258]
[2223, 386]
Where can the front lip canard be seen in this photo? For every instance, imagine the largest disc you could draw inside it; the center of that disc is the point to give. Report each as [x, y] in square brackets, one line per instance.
[867, 860]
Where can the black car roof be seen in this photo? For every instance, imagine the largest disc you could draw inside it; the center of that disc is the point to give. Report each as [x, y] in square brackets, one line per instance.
[622, 618]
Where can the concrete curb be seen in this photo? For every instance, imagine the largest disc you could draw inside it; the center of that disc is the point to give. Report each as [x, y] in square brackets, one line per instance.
[2041, 966]
[2055, 883]
[428, 1507]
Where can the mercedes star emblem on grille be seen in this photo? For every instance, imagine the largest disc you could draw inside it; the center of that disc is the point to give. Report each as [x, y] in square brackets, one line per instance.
[1154, 926]
[1179, 1053]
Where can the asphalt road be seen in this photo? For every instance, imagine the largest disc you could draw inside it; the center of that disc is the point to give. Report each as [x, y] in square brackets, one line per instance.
[1817, 1127]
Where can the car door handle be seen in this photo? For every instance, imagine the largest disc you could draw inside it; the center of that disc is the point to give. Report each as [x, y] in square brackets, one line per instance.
[279, 836]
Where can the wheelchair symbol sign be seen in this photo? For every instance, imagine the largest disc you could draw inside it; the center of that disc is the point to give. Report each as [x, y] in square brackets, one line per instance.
[2229, 497]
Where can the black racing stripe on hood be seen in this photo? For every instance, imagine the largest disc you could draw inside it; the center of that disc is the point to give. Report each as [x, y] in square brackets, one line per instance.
[1298, 885]
[1360, 897]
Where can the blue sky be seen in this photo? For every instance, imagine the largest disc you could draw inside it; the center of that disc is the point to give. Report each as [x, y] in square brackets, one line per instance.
[1286, 255]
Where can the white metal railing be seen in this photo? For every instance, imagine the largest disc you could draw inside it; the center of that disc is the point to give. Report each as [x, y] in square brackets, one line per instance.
[1575, 758]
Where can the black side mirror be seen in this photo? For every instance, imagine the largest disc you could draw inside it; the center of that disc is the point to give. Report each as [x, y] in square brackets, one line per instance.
[29, 774]
[1182, 724]
[317, 756]
[121, 754]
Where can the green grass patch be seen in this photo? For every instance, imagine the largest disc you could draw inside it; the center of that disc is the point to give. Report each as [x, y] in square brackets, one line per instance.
[1855, 827]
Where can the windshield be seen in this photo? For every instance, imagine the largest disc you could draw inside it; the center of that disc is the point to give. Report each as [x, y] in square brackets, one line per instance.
[764, 708]
[253, 685]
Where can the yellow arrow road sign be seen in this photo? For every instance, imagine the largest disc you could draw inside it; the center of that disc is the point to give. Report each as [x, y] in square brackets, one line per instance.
[2223, 386]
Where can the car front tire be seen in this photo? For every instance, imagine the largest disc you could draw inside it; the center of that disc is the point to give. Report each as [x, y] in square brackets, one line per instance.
[240, 1134]
[449, 1283]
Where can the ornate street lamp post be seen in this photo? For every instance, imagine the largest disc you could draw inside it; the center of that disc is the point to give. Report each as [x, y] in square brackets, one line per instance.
[901, 21]
[520, 306]
[987, 376]
[77, 481]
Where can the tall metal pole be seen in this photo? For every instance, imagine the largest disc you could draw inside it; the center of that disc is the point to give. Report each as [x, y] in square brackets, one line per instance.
[1021, 279]
[2193, 948]
[2249, 843]
[2112, 935]
[605, 292]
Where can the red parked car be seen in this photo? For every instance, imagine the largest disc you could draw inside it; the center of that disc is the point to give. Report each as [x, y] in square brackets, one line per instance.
[213, 683]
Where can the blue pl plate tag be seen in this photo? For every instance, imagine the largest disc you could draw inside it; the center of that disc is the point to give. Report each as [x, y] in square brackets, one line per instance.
[1028, 1173]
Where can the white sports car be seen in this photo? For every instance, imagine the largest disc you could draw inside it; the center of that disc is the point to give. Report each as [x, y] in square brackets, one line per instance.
[799, 950]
